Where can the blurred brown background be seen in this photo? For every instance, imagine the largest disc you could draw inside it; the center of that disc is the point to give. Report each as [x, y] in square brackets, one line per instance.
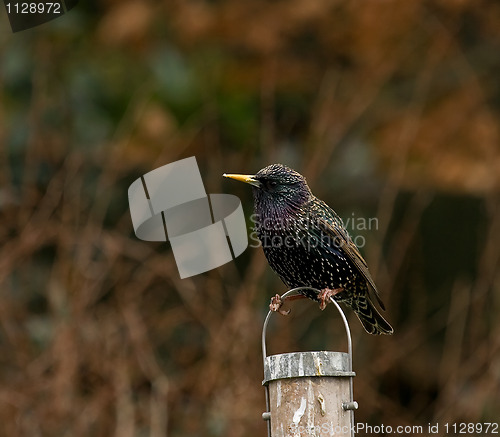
[390, 108]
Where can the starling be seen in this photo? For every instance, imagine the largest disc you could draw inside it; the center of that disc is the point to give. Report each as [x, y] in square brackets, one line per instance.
[307, 245]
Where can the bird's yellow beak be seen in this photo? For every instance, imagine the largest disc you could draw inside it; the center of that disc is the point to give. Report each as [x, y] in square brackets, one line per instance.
[248, 179]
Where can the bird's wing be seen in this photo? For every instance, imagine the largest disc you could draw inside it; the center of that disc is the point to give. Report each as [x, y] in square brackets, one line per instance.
[332, 224]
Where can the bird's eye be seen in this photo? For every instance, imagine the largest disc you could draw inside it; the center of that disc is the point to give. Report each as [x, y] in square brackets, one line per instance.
[271, 184]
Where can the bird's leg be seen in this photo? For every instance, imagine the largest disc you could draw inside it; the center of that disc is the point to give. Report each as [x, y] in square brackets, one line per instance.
[277, 303]
[325, 294]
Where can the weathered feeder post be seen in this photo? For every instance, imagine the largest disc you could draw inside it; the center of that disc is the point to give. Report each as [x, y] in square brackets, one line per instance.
[309, 393]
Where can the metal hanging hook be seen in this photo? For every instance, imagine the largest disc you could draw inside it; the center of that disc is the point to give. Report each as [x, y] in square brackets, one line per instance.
[347, 406]
[344, 319]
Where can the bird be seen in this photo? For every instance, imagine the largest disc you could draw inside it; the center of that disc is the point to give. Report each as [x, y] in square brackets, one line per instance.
[306, 243]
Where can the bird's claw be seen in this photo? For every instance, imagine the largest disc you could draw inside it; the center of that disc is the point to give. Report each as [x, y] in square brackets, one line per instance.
[325, 294]
[276, 304]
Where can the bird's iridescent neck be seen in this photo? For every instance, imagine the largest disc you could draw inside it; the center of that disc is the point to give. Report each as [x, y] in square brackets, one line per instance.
[274, 212]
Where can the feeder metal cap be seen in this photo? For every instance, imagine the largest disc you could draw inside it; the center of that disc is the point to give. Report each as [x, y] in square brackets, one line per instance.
[300, 364]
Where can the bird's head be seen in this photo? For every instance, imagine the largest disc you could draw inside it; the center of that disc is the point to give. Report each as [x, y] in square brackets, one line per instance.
[276, 189]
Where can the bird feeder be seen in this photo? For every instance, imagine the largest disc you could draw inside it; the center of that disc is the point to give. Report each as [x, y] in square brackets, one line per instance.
[309, 393]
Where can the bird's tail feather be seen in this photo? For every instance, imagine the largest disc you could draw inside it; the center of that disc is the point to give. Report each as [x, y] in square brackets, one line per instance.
[370, 318]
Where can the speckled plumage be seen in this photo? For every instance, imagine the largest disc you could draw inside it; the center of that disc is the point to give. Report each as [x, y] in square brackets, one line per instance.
[306, 243]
